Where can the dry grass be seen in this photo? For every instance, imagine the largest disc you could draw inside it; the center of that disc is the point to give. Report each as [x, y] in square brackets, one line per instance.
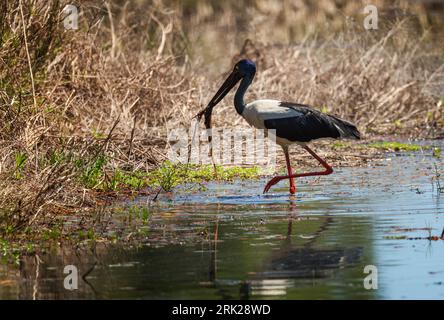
[115, 87]
[103, 92]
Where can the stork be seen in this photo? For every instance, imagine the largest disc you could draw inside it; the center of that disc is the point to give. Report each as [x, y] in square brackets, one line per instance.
[293, 123]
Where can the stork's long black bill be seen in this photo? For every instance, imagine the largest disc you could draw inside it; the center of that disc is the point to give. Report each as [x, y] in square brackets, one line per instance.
[229, 83]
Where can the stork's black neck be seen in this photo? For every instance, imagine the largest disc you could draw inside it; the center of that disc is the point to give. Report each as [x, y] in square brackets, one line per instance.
[239, 103]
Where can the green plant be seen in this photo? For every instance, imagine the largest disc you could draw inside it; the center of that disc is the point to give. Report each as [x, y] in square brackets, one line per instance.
[140, 212]
[339, 144]
[132, 180]
[9, 253]
[52, 234]
[396, 146]
[87, 235]
[98, 135]
[93, 174]
[168, 176]
[20, 160]
[57, 157]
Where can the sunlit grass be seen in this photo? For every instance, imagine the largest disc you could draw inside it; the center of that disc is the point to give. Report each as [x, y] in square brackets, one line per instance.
[170, 175]
[397, 146]
[167, 176]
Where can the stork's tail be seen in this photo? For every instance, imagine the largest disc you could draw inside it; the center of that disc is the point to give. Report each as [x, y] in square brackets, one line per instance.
[346, 129]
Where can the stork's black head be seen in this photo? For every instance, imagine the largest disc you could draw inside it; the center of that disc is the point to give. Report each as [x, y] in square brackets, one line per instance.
[245, 67]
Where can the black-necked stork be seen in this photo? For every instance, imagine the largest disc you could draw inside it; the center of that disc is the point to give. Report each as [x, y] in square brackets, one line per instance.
[294, 123]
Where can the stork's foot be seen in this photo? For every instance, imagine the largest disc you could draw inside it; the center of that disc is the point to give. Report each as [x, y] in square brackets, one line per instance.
[275, 180]
[271, 183]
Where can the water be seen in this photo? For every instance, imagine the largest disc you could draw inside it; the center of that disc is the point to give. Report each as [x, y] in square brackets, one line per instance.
[232, 242]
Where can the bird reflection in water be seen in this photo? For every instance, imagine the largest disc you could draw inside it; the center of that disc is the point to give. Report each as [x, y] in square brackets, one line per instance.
[292, 261]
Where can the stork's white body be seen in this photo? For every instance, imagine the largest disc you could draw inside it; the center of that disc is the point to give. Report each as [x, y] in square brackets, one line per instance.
[256, 112]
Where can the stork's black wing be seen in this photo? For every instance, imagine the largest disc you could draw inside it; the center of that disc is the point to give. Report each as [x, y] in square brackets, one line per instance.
[310, 124]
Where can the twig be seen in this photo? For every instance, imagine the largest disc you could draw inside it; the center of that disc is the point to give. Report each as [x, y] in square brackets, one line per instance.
[28, 55]
[131, 138]
[157, 194]
[107, 139]
[113, 33]
[165, 30]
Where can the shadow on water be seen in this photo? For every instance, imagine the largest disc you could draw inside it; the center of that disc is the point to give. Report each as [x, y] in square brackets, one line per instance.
[232, 242]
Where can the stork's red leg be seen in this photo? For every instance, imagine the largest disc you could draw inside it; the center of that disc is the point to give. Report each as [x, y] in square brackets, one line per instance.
[290, 173]
[328, 170]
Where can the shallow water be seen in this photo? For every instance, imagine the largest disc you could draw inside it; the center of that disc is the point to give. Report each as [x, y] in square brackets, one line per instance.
[230, 241]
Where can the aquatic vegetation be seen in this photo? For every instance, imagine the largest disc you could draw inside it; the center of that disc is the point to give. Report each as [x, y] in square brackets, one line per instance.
[140, 212]
[127, 180]
[397, 146]
[339, 144]
[219, 172]
[167, 176]
[429, 238]
[94, 173]
[437, 180]
[9, 253]
[89, 234]
[398, 237]
[54, 233]
[170, 175]
[429, 230]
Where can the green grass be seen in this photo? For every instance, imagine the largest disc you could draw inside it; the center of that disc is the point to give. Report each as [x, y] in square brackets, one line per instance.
[9, 252]
[128, 180]
[88, 234]
[170, 175]
[52, 234]
[57, 157]
[94, 174]
[397, 146]
[140, 212]
[167, 176]
[339, 144]
[20, 160]
[390, 146]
